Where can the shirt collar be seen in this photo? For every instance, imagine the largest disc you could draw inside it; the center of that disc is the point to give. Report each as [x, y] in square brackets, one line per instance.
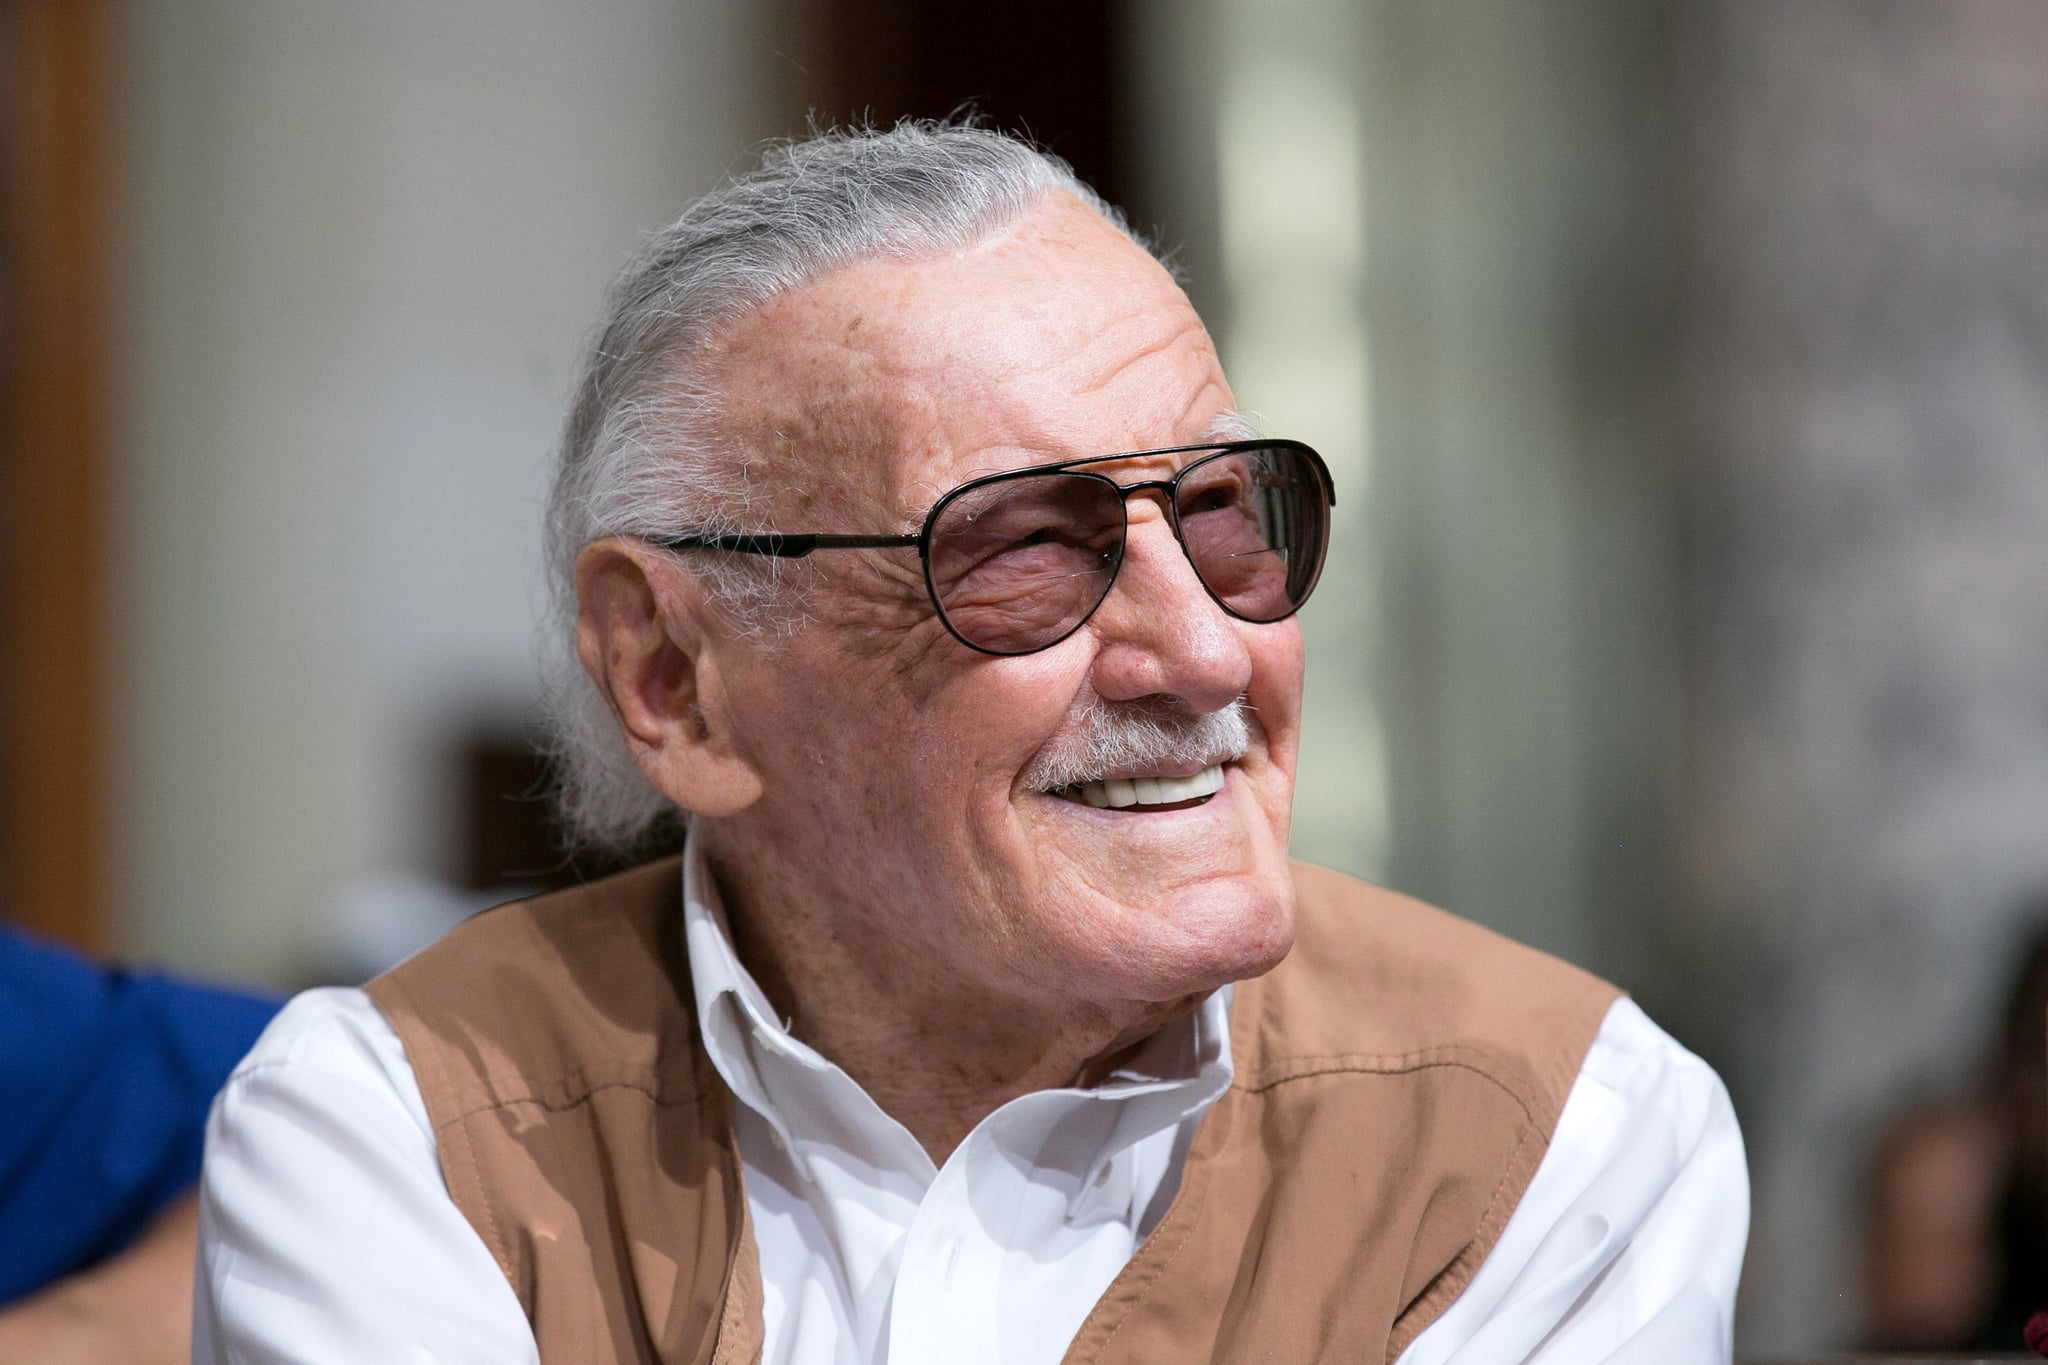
[1177, 1072]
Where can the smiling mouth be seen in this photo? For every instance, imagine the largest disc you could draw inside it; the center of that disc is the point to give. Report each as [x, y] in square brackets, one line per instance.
[1147, 793]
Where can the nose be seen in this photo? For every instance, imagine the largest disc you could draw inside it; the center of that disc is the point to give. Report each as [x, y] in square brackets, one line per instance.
[1159, 631]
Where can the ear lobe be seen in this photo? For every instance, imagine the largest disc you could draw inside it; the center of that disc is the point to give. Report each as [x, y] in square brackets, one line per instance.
[647, 639]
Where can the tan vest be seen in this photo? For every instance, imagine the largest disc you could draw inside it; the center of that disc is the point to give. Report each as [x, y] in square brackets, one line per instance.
[1398, 1078]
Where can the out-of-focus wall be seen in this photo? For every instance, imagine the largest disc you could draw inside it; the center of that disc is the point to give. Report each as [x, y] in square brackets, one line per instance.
[1516, 293]
[1866, 448]
[363, 244]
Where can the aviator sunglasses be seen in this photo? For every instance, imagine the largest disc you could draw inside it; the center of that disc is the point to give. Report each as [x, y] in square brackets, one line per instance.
[1016, 562]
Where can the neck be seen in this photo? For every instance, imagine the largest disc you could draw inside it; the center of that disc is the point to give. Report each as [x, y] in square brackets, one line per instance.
[936, 1052]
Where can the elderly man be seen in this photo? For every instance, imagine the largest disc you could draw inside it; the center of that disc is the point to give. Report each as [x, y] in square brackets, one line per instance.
[913, 548]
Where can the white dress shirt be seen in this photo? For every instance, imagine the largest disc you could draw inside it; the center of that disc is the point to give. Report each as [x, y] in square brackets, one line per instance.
[327, 1234]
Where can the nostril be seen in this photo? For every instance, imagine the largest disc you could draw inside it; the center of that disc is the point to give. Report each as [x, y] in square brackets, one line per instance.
[1207, 666]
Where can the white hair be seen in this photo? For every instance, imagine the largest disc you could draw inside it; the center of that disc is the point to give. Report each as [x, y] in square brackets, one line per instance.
[643, 454]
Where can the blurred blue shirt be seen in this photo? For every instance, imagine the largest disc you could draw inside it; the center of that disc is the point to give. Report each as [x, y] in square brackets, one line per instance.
[105, 1080]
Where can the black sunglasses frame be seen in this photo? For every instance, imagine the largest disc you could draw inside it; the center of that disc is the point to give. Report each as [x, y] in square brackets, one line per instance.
[781, 545]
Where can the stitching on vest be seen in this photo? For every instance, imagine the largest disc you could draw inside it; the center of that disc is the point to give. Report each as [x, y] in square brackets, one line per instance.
[494, 1238]
[1138, 1287]
[1456, 1055]
[730, 1314]
[1452, 1280]
[485, 1090]
[582, 1097]
[1138, 1291]
[488, 1205]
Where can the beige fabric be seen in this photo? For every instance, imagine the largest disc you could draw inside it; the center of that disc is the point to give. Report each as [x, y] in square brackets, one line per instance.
[1398, 1079]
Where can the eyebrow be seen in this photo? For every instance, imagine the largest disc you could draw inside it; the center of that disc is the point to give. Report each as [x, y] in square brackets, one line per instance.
[1230, 425]
[1227, 425]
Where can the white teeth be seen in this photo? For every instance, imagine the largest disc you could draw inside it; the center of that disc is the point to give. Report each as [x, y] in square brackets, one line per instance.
[1116, 793]
[1203, 783]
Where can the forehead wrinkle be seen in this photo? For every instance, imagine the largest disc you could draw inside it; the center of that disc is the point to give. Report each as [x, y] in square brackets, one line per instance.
[1034, 419]
[816, 403]
[1118, 356]
[1179, 411]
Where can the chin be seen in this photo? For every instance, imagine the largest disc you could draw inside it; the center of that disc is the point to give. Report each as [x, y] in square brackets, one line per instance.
[1202, 937]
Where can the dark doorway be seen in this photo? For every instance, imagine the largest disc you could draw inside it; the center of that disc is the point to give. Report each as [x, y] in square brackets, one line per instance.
[1054, 70]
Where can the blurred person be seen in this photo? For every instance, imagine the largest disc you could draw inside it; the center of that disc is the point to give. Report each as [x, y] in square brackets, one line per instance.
[910, 544]
[1956, 1242]
[108, 1075]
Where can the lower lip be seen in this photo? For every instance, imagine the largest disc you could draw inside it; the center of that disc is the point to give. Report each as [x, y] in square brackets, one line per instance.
[1171, 806]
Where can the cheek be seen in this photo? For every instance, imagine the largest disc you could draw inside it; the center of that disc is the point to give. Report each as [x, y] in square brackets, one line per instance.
[993, 714]
[808, 725]
[916, 742]
[1277, 663]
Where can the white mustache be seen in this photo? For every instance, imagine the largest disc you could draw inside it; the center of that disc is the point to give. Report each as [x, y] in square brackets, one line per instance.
[1117, 737]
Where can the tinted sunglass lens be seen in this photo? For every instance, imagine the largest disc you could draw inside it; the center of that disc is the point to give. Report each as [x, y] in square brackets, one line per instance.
[1017, 564]
[1255, 523]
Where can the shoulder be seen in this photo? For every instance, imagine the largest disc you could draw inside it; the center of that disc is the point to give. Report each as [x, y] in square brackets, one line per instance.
[60, 1008]
[334, 1033]
[1630, 1238]
[329, 1060]
[1647, 1115]
[629, 914]
[1641, 1066]
[326, 1231]
[1379, 981]
[325, 1088]
[549, 998]
[108, 1075]
[1643, 1103]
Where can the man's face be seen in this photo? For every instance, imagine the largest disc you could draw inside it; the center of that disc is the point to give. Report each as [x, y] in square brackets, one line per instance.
[895, 759]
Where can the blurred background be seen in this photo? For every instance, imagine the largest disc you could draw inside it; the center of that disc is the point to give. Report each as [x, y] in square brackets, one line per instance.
[1683, 365]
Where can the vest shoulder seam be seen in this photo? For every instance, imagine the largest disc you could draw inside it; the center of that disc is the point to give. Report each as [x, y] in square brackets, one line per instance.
[576, 1099]
[1458, 1056]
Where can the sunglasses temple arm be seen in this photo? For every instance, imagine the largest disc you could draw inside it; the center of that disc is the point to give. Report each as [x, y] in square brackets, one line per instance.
[854, 542]
[781, 546]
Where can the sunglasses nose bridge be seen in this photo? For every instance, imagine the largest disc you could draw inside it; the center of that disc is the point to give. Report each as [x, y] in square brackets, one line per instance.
[1179, 554]
[1162, 487]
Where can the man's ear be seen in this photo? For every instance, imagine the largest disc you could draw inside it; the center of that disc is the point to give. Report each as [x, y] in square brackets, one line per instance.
[644, 634]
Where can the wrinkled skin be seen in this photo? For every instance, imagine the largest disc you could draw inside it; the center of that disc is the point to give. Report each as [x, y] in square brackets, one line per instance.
[949, 935]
